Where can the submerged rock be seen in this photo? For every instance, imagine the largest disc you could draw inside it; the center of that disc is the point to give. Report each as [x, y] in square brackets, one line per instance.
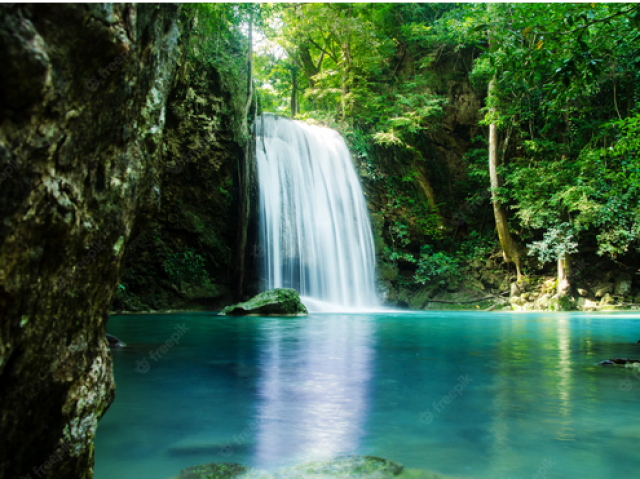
[275, 302]
[342, 467]
[608, 362]
[114, 342]
[223, 470]
[347, 466]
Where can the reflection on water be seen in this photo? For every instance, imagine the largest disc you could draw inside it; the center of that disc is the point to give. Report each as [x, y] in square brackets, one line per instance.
[266, 391]
[313, 390]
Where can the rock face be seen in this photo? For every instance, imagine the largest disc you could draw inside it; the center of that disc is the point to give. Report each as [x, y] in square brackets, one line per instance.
[275, 302]
[183, 260]
[82, 110]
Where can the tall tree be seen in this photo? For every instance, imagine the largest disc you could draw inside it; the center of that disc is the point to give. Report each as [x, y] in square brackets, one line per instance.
[509, 246]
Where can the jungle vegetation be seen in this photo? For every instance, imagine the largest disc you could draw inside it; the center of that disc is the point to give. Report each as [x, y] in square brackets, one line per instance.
[557, 149]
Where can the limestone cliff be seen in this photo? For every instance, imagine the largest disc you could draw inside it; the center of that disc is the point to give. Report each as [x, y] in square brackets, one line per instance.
[82, 111]
[186, 257]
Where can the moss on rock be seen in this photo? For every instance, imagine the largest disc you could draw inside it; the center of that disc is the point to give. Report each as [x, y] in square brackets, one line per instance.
[275, 302]
[223, 470]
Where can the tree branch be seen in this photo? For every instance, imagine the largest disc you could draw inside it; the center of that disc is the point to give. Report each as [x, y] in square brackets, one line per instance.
[601, 20]
[323, 50]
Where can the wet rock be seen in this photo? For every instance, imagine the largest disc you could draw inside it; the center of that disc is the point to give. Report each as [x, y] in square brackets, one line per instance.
[342, 467]
[607, 362]
[606, 300]
[583, 292]
[585, 304]
[275, 302]
[114, 342]
[561, 303]
[418, 300]
[603, 288]
[223, 470]
[623, 284]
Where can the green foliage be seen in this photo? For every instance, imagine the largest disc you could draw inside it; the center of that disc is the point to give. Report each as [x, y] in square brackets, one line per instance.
[565, 104]
[437, 268]
[559, 242]
[476, 246]
[566, 92]
[186, 266]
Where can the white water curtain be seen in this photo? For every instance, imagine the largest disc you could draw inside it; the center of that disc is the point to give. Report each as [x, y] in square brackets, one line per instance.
[314, 224]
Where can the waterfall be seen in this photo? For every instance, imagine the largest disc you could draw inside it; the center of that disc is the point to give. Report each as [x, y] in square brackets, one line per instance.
[314, 225]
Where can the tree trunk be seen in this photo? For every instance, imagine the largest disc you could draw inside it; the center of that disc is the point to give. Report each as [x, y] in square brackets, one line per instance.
[249, 70]
[309, 67]
[509, 247]
[564, 275]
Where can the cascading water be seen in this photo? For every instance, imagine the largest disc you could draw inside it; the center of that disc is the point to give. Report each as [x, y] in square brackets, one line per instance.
[314, 224]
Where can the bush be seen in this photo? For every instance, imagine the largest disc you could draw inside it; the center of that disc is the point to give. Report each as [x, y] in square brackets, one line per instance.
[437, 268]
[186, 267]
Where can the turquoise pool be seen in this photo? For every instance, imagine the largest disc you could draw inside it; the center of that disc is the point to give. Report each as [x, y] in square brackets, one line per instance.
[475, 395]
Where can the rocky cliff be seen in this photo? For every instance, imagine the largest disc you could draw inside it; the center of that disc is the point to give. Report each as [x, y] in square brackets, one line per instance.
[186, 257]
[82, 111]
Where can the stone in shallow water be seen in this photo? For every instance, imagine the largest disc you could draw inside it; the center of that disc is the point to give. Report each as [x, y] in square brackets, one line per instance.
[347, 466]
[223, 470]
[114, 342]
[342, 467]
[275, 302]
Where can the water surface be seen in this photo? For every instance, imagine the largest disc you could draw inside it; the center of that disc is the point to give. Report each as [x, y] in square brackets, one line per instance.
[476, 395]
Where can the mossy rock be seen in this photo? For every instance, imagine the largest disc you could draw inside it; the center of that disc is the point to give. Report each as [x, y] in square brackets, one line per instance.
[223, 470]
[365, 467]
[562, 303]
[275, 302]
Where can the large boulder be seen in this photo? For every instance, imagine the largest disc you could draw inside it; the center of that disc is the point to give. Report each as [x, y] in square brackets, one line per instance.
[275, 302]
[603, 288]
